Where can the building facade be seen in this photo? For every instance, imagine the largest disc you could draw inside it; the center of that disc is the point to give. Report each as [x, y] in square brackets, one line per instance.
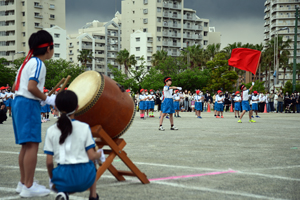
[170, 27]
[103, 39]
[60, 42]
[20, 18]
[281, 14]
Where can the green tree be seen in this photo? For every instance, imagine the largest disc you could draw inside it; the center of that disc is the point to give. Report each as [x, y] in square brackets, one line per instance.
[198, 57]
[221, 77]
[85, 56]
[288, 87]
[212, 50]
[7, 73]
[124, 58]
[258, 86]
[158, 57]
[171, 66]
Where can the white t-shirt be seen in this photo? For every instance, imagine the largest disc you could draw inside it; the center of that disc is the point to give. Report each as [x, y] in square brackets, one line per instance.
[74, 149]
[176, 97]
[168, 92]
[152, 97]
[9, 95]
[237, 99]
[142, 97]
[34, 70]
[254, 98]
[221, 99]
[246, 95]
[2, 95]
[262, 98]
[198, 98]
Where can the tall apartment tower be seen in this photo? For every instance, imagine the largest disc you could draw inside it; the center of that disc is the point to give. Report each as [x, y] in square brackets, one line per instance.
[103, 39]
[280, 14]
[20, 18]
[169, 26]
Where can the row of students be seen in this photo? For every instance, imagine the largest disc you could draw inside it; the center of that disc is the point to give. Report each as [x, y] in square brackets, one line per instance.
[146, 103]
[6, 96]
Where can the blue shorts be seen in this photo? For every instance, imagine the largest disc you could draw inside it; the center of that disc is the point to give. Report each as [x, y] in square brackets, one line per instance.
[74, 177]
[255, 106]
[246, 106]
[26, 122]
[220, 107]
[215, 107]
[142, 105]
[198, 106]
[176, 105]
[168, 106]
[8, 102]
[161, 106]
[237, 106]
[147, 105]
[151, 105]
[44, 109]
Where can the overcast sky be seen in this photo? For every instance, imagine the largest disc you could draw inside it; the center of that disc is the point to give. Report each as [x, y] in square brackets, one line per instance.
[237, 20]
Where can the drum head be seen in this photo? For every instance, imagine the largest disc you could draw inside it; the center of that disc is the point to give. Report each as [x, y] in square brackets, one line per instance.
[86, 86]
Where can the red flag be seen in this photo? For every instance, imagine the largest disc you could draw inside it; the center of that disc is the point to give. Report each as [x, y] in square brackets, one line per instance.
[245, 59]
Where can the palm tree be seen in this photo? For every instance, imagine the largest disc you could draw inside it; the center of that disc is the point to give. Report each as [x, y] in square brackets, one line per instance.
[85, 56]
[198, 57]
[158, 57]
[212, 50]
[124, 58]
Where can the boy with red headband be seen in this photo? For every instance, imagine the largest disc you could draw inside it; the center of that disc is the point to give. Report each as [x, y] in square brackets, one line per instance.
[142, 105]
[220, 104]
[245, 103]
[255, 99]
[28, 89]
[237, 104]
[198, 103]
[176, 98]
[151, 103]
[168, 107]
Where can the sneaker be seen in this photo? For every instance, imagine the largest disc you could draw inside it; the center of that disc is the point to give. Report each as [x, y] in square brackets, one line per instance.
[62, 196]
[239, 117]
[48, 119]
[235, 116]
[19, 187]
[174, 128]
[167, 117]
[222, 117]
[161, 128]
[252, 116]
[252, 121]
[175, 116]
[159, 117]
[178, 116]
[34, 191]
[257, 116]
[240, 121]
[217, 116]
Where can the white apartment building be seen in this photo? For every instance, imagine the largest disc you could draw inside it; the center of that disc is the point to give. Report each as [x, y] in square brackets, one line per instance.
[60, 42]
[214, 37]
[103, 39]
[20, 18]
[280, 14]
[169, 24]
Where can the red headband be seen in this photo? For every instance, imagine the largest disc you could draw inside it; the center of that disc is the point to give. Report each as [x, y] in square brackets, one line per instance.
[243, 86]
[26, 60]
[167, 79]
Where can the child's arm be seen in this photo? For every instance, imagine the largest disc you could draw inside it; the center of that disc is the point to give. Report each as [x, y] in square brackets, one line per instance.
[93, 155]
[33, 89]
[49, 164]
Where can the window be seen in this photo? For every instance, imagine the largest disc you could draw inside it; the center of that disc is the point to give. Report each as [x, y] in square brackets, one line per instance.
[205, 24]
[56, 45]
[137, 58]
[159, 39]
[137, 48]
[205, 33]
[23, 14]
[158, 9]
[145, 2]
[158, 29]
[145, 30]
[158, 48]
[51, 25]
[145, 11]
[23, 33]
[23, 3]
[52, 6]
[145, 21]
[52, 16]
[159, 19]
[158, 1]
[56, 55]
[23, 23]
[133, 12]
[205, 42]
[148, 58]
[133, 2]
[133, 21]
[36, 24]
[56, 35]
[137, 39]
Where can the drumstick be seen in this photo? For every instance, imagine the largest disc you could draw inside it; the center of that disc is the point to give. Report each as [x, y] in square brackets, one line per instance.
[65, 83]
[57, 85]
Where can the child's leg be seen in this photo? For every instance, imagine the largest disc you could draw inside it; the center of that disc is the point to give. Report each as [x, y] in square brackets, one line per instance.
[238, 112]
[21, 164]
[221, 113]
[244, 111]
[93, 193]
[250, 114]
[29, 162]
[171, 119]
[162, 118]
[199, 113]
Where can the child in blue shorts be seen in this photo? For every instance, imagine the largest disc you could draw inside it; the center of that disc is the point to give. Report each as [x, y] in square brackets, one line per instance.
[71, 145]
[198, 103]
[237, 103]
[28, 89]
[245, 103]
[220, 104]
[255, 99]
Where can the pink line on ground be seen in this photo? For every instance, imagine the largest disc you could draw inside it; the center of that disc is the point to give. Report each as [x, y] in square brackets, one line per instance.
[192, 175]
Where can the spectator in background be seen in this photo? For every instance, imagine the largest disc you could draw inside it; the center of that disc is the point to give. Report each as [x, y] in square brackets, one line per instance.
[287, 101]
[262, 102]
[275, 101]
[293, 102]
[227, 101]
[181, 98]
[3, 111]
[267, 101]
[271, 101]
[280, 102]
[186, 101]
[298, 102]
[157, 100]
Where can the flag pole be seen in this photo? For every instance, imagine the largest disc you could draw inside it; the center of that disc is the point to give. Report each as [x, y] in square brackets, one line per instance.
[257, 65]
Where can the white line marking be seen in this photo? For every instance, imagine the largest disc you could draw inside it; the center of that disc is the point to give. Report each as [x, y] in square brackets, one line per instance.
[269, 176]
[11, 197]
[215, 190]
[287, 167]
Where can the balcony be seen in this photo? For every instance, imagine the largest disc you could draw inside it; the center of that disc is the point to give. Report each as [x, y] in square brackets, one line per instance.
[267, 9]
[38, 6]
[71, 46]
[267, 23]
[38, 26]
[71, 54]
[186, 26]
[176, 44]
[199, 37]
[167, 14]
[149, 40]
[111, 55]
[111, 49]
[165, 43]
[199, 27]
[165, 33]
[189, 17]
[149, 50]
[175, 25]
[39, 16]
[266, 38]
[86, 46]
[266, 30]
[175, 35]
[176, 16]
[267, 16]
[267, 2]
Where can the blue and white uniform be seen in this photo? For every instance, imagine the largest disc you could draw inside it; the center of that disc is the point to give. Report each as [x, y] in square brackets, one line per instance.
[3, 97]
[255, 102]
[245, 102]
[147, 102]
[198, 102]
[220, 102]
[143, 105]
[75, 172]
[9, 99]
[168, 101]
[237, 105]
[151, 101]
[176, 98]
[27, 125]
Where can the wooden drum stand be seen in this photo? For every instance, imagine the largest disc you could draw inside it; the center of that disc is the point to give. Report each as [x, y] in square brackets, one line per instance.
[116, 146]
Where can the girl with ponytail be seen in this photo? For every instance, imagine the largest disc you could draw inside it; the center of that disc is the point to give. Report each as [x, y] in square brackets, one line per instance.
[71, 144]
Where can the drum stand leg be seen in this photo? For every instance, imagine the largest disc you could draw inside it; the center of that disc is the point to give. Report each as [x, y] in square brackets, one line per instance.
[116, 146]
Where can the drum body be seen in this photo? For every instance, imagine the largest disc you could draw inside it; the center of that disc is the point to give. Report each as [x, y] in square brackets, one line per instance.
[102, 101]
